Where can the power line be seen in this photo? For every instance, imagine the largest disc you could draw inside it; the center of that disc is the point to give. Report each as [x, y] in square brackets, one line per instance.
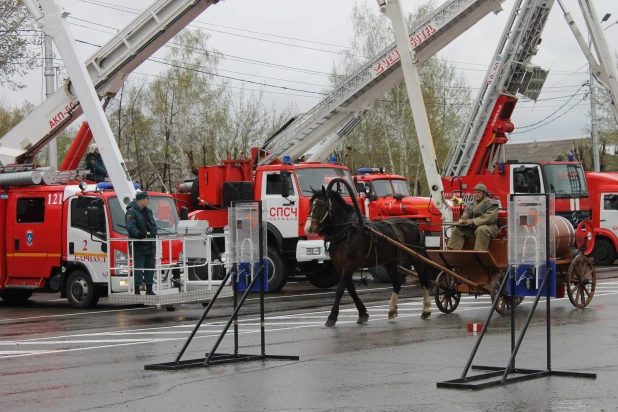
[557, 110]
[195, 24]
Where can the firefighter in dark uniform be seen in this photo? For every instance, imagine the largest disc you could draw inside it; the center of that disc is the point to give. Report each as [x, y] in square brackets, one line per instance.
[479, 221]
[95, 165]
[141, 225]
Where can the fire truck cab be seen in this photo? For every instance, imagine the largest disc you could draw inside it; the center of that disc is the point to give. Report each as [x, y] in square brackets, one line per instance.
[604, 203]
[57, 240]
[285, 190]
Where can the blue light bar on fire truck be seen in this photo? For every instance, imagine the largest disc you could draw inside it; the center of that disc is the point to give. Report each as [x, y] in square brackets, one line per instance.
[370, 170]
[110, 186]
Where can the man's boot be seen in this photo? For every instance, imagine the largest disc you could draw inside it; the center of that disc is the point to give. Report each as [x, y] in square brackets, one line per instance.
[137, 290]
[149, 290]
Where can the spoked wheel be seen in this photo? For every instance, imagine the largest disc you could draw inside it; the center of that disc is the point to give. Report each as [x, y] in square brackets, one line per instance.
[502, 302]
[582, 281]
[446, 296]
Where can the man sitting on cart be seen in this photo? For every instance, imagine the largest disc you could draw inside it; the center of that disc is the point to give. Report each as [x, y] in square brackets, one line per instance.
[479, 222]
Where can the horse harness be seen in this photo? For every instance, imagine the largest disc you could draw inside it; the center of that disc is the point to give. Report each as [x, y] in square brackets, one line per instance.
[351, 223]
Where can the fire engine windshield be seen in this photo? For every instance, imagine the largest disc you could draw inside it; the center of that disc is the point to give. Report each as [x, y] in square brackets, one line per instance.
[566, 181]
[163, 210]
[321, 176]
[385, 187]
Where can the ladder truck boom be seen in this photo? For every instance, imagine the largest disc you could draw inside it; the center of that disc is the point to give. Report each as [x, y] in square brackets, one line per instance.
[53, 22]
[510, 74]
[604, 70]
[108, 68]
[338, 113]
[394, 11]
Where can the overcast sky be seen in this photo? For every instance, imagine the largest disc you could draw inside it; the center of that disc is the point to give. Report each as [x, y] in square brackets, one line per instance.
[268, 41]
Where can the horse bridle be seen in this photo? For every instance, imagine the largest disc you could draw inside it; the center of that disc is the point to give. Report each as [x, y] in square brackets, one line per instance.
[326, 213]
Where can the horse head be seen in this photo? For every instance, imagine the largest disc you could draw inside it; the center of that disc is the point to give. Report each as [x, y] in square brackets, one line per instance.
[320, 209]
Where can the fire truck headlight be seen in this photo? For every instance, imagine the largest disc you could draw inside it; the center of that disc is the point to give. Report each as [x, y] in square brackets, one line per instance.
[124, 283]
[83, 186]
[222, 257]
[313, 251]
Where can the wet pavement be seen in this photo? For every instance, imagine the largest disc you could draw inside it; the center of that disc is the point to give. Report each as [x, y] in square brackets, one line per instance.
[53, 357]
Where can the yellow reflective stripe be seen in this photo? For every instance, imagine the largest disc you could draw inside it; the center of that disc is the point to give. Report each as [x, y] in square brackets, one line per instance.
[24, 254]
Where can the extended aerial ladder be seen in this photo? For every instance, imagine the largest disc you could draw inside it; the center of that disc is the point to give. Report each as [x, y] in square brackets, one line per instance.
[509, 75]
[338, 113]
[108, 68]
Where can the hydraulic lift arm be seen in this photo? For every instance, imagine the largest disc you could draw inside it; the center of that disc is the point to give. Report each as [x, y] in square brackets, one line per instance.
[53, 22]
[342, 110]
[394, 11]
[107, 69]
[604, 70]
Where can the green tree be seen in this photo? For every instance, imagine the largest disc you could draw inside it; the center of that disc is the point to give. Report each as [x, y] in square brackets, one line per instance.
[18, 38]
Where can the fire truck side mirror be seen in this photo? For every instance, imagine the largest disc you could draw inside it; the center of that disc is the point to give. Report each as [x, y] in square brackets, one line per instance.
[184, 213]
[285, 184]
[93, 216]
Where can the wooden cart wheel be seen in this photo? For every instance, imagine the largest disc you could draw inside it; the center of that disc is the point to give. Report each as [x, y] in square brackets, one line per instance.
[582, 281]
[503, 302]
[446, 296]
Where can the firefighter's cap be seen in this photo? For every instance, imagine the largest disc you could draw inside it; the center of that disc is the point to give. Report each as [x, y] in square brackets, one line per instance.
[141, 196]
[481, 187]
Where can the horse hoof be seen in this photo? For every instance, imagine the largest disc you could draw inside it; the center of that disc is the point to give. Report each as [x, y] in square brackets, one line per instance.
[392, 315]
[425, 315]
[362, 319]
[330, 322]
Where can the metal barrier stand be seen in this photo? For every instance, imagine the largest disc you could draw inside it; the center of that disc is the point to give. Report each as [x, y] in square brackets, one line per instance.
[168, 291]
[213, 358]
[470, 382]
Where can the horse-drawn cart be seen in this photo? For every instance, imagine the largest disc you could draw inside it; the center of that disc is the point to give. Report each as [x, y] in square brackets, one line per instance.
[481, 272]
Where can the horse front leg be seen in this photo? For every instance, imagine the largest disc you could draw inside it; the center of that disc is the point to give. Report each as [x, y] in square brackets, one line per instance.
[363, 316]
[393, 274]
[426, 304]
[334, 313]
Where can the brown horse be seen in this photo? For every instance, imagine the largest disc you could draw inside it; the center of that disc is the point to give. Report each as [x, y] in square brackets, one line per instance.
[352, 246]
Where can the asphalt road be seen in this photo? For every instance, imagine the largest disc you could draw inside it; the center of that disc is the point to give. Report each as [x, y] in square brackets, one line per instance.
[53, 357]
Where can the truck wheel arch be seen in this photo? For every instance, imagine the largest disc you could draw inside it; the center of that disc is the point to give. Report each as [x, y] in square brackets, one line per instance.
[273, 236]
[70, 268]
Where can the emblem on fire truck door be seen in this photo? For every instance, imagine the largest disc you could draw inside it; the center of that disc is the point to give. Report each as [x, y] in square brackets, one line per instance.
[29, 237]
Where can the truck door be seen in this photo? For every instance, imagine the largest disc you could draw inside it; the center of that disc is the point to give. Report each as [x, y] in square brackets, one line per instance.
[281, 212]
[27, 237]
[526, 179]
[89, 248]
[609, 212]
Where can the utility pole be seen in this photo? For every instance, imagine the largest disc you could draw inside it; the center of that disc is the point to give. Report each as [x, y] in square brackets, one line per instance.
[50, 88]
[593, 109]
[593, 122]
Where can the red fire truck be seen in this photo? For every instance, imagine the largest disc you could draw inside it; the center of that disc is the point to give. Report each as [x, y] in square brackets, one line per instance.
[51, 243]
[290, 250]
[604, 203]
[56, 230]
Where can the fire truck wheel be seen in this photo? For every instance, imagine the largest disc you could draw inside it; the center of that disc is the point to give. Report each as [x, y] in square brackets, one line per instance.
[277, 275]
[604, 252]
[15, 296]
[80, 290]
[324, 278]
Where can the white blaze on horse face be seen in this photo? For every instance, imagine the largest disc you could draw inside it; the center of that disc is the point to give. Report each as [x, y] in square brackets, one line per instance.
[308, 229]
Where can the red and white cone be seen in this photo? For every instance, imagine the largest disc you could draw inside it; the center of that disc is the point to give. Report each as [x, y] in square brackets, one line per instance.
[475, 327]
